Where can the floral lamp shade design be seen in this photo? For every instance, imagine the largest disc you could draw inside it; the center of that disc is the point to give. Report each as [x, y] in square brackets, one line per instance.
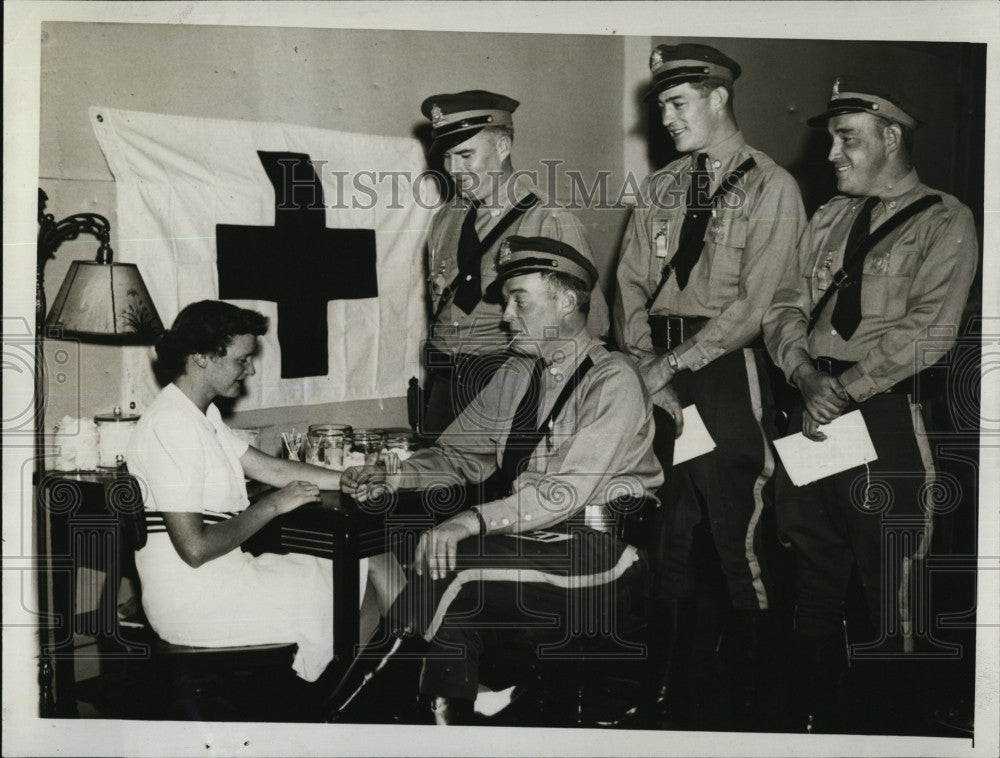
[107, 300]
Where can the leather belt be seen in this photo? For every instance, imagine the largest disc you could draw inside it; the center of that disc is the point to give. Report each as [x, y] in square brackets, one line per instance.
[832, 366]
[836, 367]
[668, 332]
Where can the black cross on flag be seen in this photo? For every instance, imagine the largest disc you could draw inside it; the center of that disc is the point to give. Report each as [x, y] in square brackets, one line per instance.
[297, 263]
[322, 231]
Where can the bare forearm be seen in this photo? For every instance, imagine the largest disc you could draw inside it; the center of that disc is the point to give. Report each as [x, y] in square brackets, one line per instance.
[278, 472]
[197, 542]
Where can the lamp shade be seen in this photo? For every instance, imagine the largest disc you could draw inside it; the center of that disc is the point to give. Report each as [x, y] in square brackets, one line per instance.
[105, 301]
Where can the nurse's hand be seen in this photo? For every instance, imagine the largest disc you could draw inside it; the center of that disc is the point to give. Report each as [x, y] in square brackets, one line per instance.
[362, 482]
[292, 495]
[437, 549]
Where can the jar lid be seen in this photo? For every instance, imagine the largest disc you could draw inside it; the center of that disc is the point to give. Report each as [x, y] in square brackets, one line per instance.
[330, 429]
[102, 418]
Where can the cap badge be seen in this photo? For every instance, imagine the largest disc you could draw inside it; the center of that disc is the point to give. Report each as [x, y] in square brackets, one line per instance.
[437, 117]
[656, 58]
[505, 252]
[836, 89]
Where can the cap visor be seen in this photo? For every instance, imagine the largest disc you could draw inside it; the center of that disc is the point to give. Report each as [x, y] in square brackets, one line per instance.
[822, 118]
[449, 141]
[657, 87]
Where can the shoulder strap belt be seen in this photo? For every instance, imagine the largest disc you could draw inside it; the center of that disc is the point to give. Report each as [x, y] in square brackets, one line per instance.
[729, 181]
[519, 209]
[850, 269]
[510, 464]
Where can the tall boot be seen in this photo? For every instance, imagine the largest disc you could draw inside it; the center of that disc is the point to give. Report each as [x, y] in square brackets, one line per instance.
[750, 659]
[451, 711]
[820, 663]
[672, 633]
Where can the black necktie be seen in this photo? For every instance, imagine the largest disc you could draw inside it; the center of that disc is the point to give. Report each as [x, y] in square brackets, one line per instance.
[524, 436]
[847, 310]
[696, 216]
[469, 291]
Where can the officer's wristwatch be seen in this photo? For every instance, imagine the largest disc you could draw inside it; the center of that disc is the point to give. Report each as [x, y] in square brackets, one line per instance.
[672, 361]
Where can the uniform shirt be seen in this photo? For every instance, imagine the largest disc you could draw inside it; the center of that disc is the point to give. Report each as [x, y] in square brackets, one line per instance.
[600, 446]
[482, 330]
[916, 279]
[749, 242]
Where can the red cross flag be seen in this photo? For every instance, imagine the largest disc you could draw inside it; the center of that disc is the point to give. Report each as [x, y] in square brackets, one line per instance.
[322, 231]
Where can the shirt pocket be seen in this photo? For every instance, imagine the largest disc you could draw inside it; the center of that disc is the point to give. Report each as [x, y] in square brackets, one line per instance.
[728, 235]
[887, 277]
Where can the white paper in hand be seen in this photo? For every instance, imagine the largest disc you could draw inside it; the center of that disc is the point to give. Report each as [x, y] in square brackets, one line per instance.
[695, 440]
[847, 445]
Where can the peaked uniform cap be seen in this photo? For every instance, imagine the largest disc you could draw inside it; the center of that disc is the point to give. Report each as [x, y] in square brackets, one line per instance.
[459, 116]
[855, 95]
[527, 255]
[671, 65]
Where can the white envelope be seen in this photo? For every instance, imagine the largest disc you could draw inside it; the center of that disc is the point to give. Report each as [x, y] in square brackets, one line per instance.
[695, 440]
[847, 445]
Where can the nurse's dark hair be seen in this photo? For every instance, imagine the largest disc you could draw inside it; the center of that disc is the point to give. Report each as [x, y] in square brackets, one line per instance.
[207, 327]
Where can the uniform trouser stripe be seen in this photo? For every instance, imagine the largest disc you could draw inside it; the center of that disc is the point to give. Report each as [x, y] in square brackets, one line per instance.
[569, 582]
[757, 405]
[903, 592]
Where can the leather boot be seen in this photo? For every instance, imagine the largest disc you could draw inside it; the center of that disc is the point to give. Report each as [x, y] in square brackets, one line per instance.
[672, 631]
[820, 664]
[749, 655]
[451, 711]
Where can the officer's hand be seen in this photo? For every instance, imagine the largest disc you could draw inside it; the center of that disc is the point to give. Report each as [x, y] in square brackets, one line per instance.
[823, 396]
[667, 399]
[361, 482]
[810, 428]
[655, 372]
[437, 549]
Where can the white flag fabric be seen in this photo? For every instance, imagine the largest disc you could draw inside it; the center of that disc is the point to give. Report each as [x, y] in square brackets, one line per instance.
[338, 248]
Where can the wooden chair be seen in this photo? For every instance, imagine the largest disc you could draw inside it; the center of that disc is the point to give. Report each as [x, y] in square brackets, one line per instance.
[209, 683]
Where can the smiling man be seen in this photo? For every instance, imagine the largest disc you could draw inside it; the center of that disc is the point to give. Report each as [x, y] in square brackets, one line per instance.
[702, 255]
[564, 429]
[877, 294]
[473, 132]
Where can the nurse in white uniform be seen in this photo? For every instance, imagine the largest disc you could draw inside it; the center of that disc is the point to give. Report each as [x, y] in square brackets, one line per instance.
[198, 586]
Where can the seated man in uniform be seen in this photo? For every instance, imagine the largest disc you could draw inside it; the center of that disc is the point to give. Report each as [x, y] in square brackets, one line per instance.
[564, 430]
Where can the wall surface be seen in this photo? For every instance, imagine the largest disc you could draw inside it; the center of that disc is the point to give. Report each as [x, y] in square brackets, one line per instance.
[785, 82]
[352, 80]
[580, 105]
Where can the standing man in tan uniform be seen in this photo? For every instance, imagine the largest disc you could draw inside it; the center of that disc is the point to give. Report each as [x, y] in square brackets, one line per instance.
[876, 295]
[474, 132]
[702, 255]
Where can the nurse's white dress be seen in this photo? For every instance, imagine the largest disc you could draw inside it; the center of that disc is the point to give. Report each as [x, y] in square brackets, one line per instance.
[189, 461]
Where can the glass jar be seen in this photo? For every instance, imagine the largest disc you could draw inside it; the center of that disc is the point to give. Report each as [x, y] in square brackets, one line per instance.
[399, 442]
[113, 433]
[325, 445]
[365, 448]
